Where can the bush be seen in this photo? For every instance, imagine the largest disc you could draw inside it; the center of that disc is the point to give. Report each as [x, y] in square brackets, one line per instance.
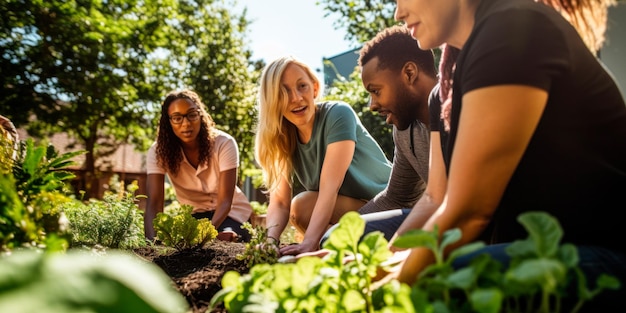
[31, 194]
[113, 222]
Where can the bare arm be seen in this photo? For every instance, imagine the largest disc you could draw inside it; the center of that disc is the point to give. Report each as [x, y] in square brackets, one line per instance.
[278, 209]
[336, 162]
[155, 192]
[481, 169]
[225, 192]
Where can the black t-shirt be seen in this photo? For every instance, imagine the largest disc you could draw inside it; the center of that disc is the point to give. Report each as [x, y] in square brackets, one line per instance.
[575, 164]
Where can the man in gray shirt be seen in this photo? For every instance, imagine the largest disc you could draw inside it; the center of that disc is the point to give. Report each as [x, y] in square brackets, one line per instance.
[399, 77]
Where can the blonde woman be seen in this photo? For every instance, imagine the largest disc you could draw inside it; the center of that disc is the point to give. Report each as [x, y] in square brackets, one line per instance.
[324, 145]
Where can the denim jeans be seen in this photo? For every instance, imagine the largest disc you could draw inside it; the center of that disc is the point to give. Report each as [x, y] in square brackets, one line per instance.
[386, 222]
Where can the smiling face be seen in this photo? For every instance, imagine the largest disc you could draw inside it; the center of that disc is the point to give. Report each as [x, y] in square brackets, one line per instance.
[391, 93]
[432, 22]
[187, 131]
[301, 91]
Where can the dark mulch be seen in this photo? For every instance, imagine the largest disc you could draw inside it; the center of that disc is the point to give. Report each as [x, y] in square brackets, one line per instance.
[197, 274]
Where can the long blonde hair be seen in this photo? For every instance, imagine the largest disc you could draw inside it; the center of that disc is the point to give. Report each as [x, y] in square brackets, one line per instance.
[276, 138]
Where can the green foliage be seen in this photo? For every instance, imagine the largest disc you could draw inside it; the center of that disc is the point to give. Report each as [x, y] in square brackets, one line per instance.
[320, 285]
[40, 168]
[114, 222]
[259, 208]
[540, 271]
[31, 195]
[98, 70]
[77, 282]
[361, 19]
[183, 231]
[257, 250]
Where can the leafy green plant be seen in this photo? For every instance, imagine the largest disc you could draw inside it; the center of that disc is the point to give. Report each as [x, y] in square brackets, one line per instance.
[257, 250]
[77, 282]
[179, 229]
[314, 284]
[258, 208]
[30, 196]
[540, 271]
[113, 222]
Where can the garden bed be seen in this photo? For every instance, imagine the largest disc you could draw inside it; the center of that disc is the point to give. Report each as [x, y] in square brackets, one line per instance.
[197, 274]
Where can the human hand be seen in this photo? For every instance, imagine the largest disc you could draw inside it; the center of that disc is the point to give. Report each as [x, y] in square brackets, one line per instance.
[389, 269]
[227, 235]
[299, 248]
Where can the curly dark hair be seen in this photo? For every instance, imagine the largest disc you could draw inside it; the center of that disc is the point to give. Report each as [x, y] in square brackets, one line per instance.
[390, 46]
[168, 149]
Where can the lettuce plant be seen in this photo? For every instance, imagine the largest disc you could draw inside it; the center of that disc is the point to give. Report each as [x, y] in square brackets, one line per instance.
[183, 231]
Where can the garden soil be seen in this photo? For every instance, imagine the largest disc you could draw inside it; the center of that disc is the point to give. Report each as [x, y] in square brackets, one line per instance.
[197, 274]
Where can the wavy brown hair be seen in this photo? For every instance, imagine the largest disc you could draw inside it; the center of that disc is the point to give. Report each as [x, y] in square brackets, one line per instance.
[169, 150]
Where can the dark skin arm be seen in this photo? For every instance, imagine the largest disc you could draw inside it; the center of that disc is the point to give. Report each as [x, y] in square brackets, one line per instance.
[155, 188]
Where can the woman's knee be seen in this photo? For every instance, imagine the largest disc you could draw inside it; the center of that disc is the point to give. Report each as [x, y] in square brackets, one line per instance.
[302, 207]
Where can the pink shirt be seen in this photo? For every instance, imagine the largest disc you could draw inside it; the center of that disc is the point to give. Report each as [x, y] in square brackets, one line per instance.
[198, 187]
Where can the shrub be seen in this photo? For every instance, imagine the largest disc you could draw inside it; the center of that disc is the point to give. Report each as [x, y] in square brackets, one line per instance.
[114, 222]
[179, 229]
[30, 196]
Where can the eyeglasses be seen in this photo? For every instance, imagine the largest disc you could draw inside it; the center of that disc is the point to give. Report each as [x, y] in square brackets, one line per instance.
[191, 116]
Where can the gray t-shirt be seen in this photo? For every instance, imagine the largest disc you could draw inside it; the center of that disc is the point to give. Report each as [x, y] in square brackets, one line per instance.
[369, 170]
[409, 173]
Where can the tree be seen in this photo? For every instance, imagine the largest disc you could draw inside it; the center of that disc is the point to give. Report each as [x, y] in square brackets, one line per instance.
[361, 19]
[98, 70]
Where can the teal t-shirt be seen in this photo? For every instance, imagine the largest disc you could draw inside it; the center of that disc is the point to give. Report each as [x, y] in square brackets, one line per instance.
[369, 170]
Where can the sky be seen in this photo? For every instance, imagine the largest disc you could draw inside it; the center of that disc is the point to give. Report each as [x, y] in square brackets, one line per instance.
[296, 27]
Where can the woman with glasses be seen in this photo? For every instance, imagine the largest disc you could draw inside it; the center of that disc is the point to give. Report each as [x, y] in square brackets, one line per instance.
[201, 163]
[322, 144]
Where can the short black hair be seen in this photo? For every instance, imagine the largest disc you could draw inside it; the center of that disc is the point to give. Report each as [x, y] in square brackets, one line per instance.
[394, 46]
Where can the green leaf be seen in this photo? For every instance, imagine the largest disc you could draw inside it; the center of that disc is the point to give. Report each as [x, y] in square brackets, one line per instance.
[347, 234]
[544, 230]
[543, 272]
[486, 300]
[416, 238]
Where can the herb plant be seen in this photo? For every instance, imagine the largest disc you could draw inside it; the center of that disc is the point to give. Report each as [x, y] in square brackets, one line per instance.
[179, 229]
[257, 250]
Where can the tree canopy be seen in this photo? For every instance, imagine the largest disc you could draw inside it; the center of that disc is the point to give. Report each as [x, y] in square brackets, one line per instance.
[97, 70]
